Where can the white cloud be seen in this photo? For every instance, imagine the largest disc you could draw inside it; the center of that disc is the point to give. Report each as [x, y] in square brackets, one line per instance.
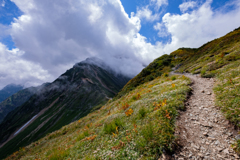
[162, 30]
[3, 3]
[96, 13]
[187, 5]
[54, 35]
[145, 13]
[158, 3]
[201, 25]
[58, 35]
[14, 69]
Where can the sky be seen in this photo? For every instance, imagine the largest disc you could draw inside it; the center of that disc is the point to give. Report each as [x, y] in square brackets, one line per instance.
[41, 39]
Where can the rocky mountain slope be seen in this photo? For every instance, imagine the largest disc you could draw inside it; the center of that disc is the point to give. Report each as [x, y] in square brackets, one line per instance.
[73, 95]
[144, 120]
[9, 90]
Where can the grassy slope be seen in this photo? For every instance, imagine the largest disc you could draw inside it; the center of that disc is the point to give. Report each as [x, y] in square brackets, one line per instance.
[205, 60]
[211, 56]
[219, 59]
[114, 131]
[154, 131]
[227, 91]
[158, 67]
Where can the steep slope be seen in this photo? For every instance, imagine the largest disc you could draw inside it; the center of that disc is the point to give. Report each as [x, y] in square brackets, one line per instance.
[140, 120]
[155, 69]
[219, 59]
[15, 101]
[9, 90]
[210, 57]
[204, 60]
[140, 124]
[73, 95]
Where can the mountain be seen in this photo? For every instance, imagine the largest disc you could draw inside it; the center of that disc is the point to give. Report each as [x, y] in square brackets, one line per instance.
[205, 60]
[15, 101]
[71, 96]
[9, 90]
[140, 121]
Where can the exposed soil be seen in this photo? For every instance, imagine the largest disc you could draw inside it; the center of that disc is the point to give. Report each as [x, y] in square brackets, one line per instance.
[202, 130]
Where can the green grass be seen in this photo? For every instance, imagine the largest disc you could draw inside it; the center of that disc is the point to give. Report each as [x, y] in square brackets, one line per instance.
[227, 91]
[116, 133]
[220, 59]
[140, 120]
[205, 60]
[159, 66]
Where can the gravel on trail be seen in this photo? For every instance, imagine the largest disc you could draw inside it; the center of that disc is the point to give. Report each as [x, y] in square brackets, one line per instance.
[202, 130]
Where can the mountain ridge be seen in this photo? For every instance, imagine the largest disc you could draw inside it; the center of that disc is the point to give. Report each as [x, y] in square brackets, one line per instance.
[9, 90]
[140, 122]
[71, 96]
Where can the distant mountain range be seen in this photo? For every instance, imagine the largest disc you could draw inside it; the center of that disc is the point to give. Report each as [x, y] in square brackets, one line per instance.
[15, 101]
[9, 90]
[71, 96]
[140, 121]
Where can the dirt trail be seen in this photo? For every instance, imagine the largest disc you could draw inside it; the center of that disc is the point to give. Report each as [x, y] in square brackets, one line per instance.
[202, 130]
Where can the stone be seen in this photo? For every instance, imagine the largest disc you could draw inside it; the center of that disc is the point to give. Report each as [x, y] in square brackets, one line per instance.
[205, 133]
[236, 156]
[207, 154]
[195, 146]
[237, 137]
[226, 151]
[217, 142]
[163, 157]
[209, 93]
[220, 156]
[202, 91]
[211, 138]
[219, 149]
[200, 155]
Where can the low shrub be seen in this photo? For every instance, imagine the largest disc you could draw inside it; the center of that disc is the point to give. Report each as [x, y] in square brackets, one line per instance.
[165, 75]
[113, 126]
[142, 112]
[173, 78]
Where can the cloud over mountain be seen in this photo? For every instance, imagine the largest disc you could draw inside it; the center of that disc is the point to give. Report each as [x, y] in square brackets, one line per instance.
[51, 36]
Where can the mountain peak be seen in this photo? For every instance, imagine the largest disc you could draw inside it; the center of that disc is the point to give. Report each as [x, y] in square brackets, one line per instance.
[95, 61]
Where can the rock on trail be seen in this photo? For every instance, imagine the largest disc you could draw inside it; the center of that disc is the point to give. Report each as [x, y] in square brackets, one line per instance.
[202, 130]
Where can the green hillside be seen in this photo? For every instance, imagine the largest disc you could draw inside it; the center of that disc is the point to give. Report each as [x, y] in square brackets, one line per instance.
[141, 123]
[140, 120]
